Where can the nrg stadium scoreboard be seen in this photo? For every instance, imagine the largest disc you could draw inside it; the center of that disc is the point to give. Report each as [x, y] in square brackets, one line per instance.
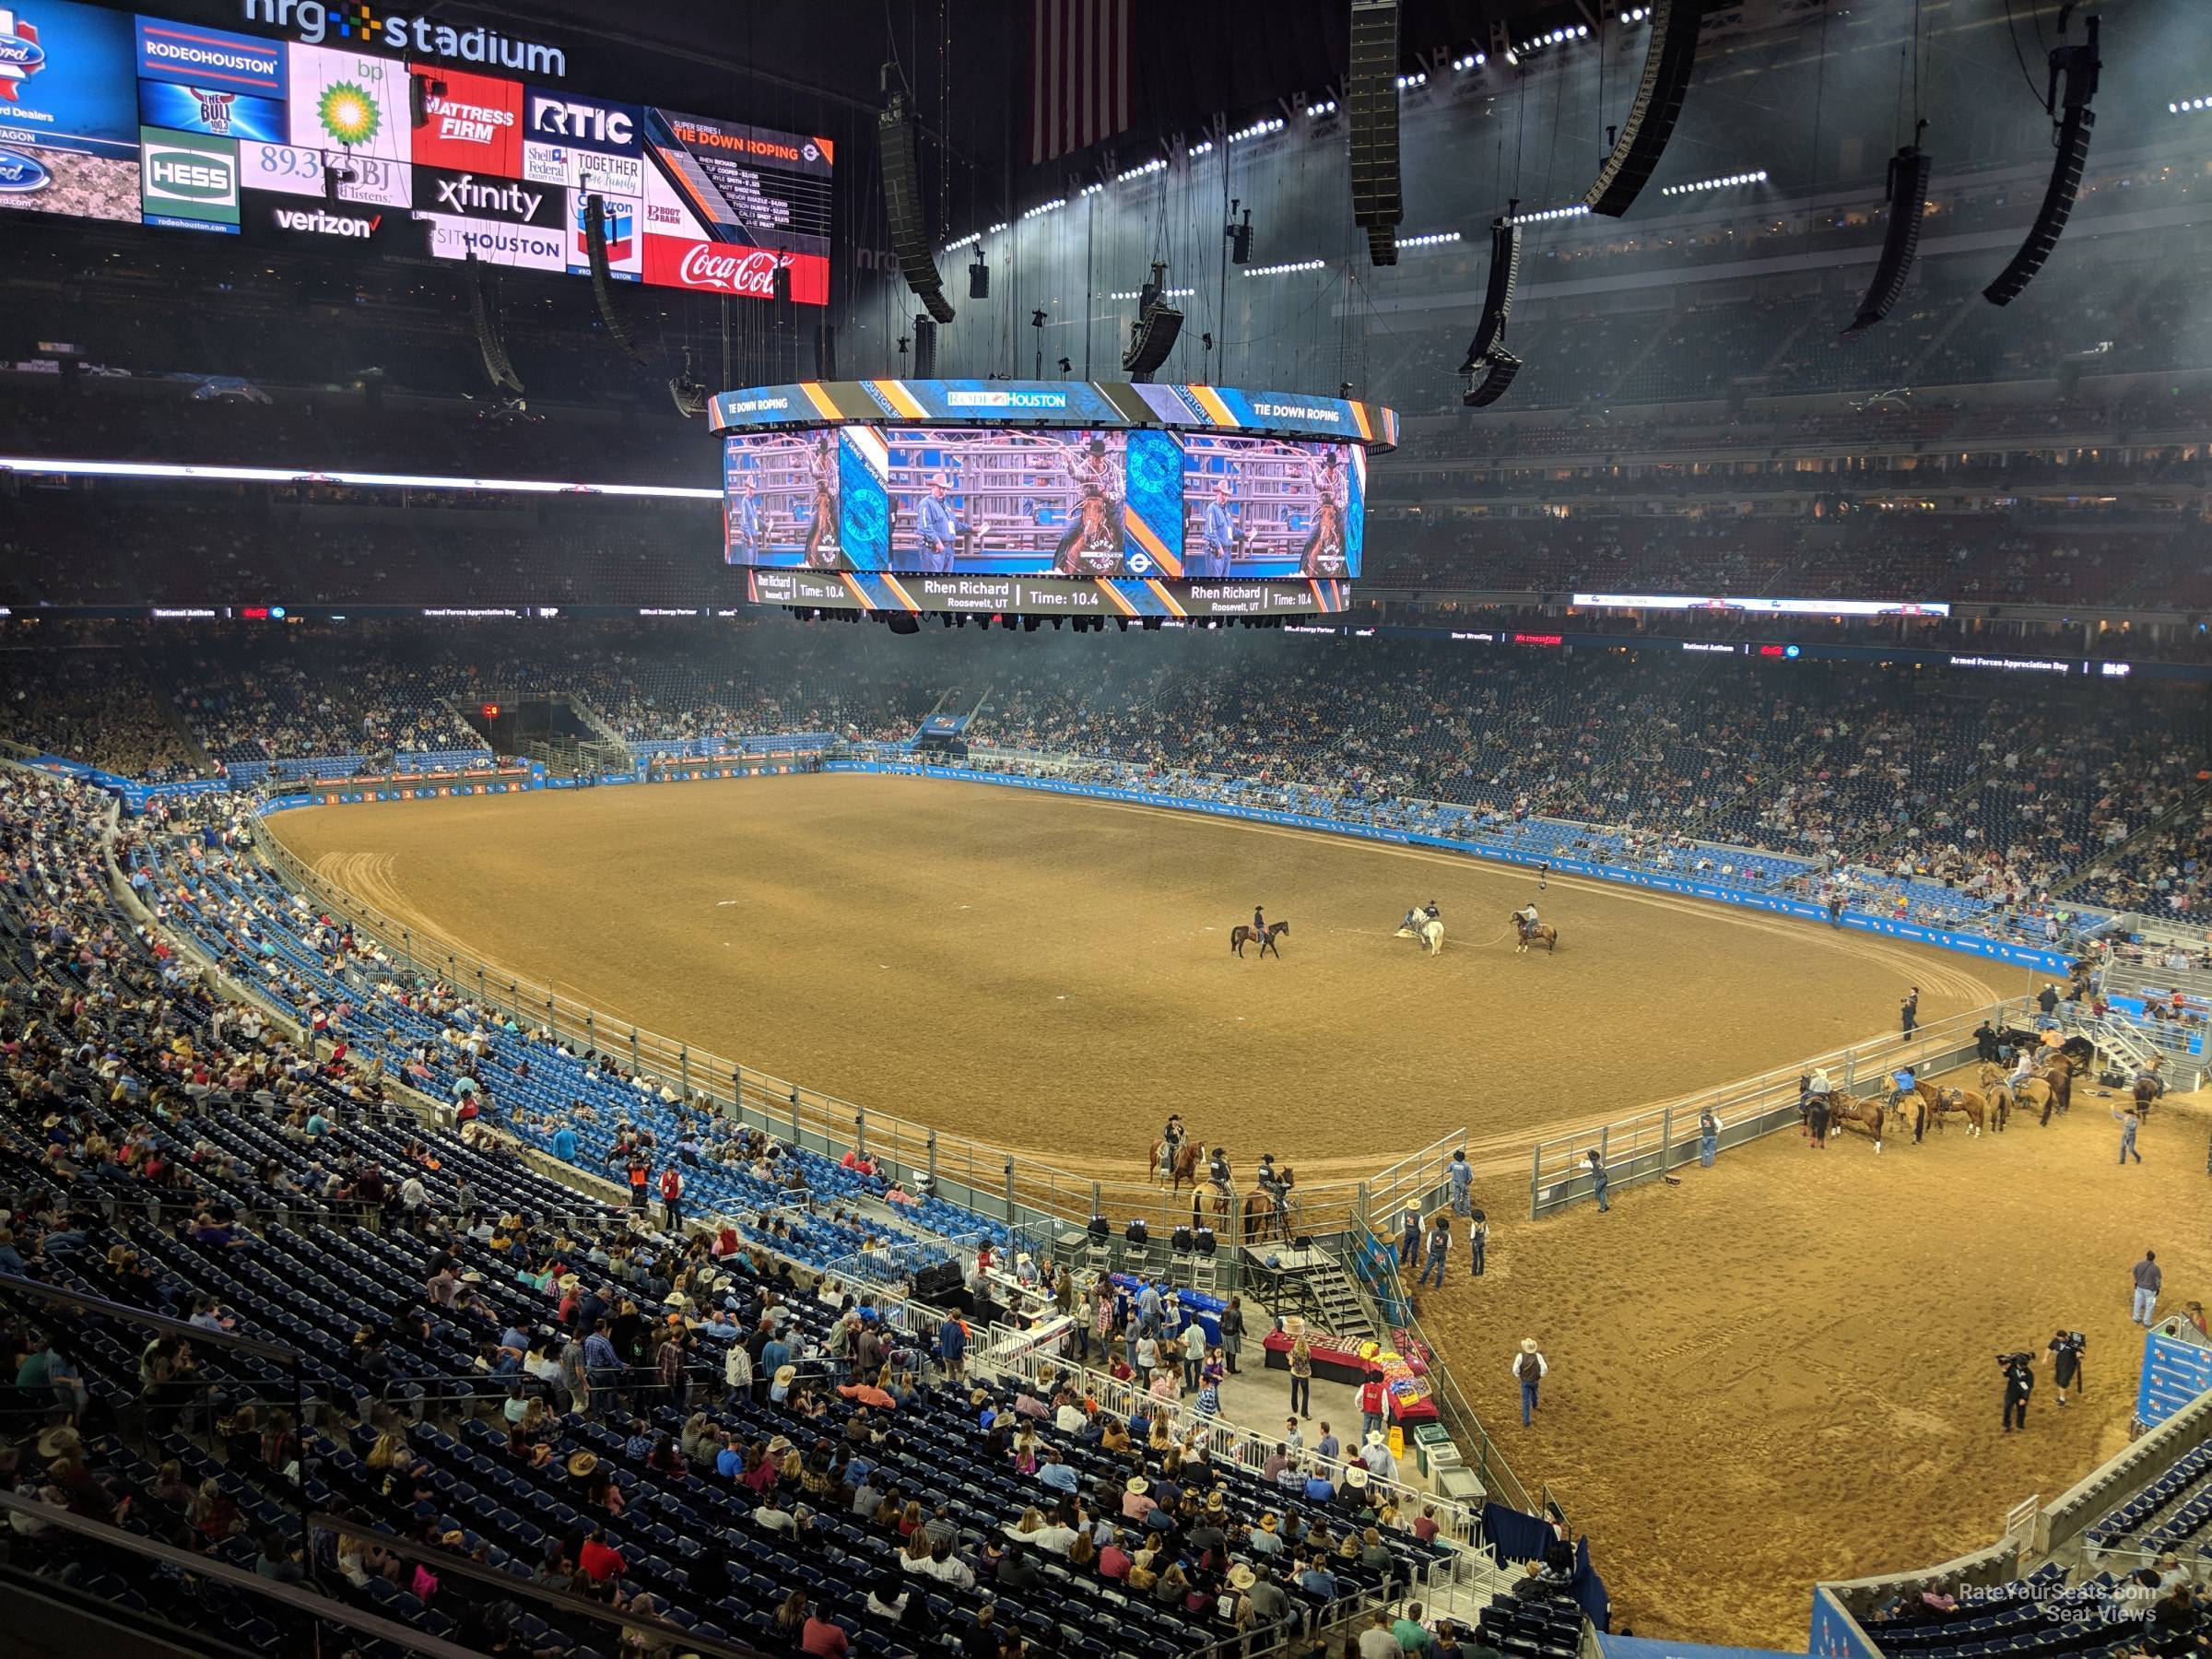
[1046, 498]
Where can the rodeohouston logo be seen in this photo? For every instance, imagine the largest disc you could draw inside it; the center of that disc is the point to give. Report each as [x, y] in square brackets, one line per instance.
[21, 56]
[21, 174]
[315, 22]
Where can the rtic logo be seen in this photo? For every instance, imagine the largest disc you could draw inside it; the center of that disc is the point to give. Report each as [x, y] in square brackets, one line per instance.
[580, 122]
[191, 175]
[327, 224]
[21, 174]
[21, 56]
[469, 124]
[468, 194]
[753, 275]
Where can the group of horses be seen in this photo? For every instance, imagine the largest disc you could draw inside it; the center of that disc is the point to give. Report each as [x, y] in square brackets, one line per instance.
[1430, 931]
[1251, 1221]
[2047, 1090]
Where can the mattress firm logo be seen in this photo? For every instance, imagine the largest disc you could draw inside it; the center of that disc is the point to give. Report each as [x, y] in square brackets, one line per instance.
[313, 22]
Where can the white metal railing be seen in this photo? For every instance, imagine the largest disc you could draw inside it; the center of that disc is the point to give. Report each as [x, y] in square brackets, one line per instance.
[1649, 1144]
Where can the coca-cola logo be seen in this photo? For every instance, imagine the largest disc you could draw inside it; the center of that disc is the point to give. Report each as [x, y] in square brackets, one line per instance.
[751, 274]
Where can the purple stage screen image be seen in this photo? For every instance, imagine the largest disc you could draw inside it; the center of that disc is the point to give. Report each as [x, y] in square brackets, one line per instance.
[975, 499]
[782, 501]
[1269, 507]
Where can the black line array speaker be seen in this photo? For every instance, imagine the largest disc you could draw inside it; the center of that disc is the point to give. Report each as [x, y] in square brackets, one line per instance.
[902, 206]
[1498, 295]
[1668, 62]
[1901, 239]
[1372, 110]
[2079, 65]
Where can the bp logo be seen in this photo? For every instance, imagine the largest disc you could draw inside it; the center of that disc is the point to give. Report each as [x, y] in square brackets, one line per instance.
[21, 174]
[349, 114]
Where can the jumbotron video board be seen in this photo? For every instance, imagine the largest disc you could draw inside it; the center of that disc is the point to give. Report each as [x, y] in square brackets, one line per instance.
[325, 139]
[1047, 496]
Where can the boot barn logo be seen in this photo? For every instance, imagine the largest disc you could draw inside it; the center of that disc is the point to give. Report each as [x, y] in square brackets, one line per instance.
[313, 22]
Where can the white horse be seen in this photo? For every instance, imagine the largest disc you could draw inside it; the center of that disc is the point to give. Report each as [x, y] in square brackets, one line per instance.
[1432, 936]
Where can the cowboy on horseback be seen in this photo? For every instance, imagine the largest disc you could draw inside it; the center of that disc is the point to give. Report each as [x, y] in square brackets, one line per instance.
[1419, 915]
[1170, 1143]
[2149, 1072]
[1276, 1189]
[1216, 1171]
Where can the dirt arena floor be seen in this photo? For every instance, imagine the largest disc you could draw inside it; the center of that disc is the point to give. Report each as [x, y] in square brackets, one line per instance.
[1055, 975]
[1781, 1370]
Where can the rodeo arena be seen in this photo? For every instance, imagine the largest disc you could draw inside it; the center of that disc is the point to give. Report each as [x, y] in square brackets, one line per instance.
[1078, 828]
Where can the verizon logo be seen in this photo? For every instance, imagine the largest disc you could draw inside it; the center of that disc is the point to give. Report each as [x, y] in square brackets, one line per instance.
[469, 194]
[327, 224]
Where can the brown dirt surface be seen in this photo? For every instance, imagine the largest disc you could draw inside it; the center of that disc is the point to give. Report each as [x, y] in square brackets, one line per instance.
[1779, 1370]
[1783, 1370]
[1055, 975]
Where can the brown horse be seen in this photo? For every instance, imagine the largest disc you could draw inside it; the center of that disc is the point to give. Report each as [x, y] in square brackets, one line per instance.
[1543, 934]
[1241, 936]
[1865, 1115]
[1964, 1103]
[2145, 1091]
[1185, 1169]
[1263, 1218]
[2034, 1094]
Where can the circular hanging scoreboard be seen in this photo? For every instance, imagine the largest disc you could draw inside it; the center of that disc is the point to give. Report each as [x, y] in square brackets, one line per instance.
[1061, 498]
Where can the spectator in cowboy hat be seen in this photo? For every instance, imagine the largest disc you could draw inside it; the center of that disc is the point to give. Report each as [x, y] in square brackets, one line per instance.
[1374, 1451]
[1529, 1369]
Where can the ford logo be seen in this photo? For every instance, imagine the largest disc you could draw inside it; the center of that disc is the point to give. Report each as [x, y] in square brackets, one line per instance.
[21, 174]
[21, 53]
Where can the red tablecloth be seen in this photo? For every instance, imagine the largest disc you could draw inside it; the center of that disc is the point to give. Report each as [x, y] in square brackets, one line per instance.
[1405, 1371]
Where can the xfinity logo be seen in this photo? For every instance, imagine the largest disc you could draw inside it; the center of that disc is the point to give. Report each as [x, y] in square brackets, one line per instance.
[313, 21]
[325, 224]
[468, 194]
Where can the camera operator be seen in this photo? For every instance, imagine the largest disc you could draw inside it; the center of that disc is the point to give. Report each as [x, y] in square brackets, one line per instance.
[2019, 1382]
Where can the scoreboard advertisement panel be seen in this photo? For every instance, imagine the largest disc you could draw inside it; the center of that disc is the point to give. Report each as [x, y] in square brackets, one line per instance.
[1052, 498]
[137, 119]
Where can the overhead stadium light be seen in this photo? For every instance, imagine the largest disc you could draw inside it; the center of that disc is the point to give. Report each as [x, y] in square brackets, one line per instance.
[997, 228]
[1578, 211]
[1901, 239]
[1373, 86]
[1473, 60]
[1433, 238]
[1285, 270]
[1203, 147]
[1141, 171]
[1092, 189]
[897, 151]
[1044, 207]
[1729, 182]
[1258, 129]
[2190, 106]
[1164, 294]
[1327, 106]
[2079, 65]
[1667, 64]
[969, 241]
[1408, 82]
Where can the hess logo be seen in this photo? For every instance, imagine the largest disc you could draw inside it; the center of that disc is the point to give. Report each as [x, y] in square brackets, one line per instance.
[191, 175]
[580, 122]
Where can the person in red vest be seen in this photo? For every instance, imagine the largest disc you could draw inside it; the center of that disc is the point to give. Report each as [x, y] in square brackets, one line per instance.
[1374, 1402]
[672, 1195]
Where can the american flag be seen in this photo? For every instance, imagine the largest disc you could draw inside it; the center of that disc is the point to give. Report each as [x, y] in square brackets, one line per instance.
[1078, 73]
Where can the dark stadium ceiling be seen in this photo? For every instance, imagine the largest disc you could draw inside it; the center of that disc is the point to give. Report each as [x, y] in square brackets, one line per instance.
[804, 64]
